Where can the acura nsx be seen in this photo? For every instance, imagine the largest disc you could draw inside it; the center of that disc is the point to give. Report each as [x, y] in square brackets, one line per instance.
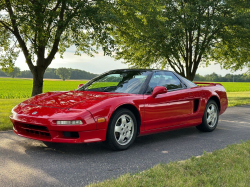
[118, 106]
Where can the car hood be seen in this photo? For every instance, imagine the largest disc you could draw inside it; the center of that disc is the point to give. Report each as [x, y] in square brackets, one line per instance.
[70, 98]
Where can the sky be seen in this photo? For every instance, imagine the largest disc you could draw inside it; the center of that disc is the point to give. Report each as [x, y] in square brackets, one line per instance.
[100, 63]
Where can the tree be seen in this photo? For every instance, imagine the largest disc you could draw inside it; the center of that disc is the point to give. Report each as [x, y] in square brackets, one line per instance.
[80, 74]
[178, 33]
[63, 73]
[50, 73]
[233, 50]
[41, 28]
[14, 72]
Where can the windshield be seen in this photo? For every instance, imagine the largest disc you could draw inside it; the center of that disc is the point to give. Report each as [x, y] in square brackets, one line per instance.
[121, 81]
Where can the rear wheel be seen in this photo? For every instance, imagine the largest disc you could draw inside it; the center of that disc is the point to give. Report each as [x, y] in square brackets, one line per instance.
[122, 130]
[210, 117]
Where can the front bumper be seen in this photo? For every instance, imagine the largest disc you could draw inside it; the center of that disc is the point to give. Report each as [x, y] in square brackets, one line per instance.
[46, 130]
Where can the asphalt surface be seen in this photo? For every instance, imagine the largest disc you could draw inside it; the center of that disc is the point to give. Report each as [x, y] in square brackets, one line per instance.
[25, 162]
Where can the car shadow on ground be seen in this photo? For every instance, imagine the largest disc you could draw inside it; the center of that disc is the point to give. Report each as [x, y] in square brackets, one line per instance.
[141, 142]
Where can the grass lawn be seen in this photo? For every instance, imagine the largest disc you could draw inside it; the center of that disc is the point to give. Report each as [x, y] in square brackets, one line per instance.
[5, 110]
[238, 98]
[226, 167]
[236, 86]
[21, 88]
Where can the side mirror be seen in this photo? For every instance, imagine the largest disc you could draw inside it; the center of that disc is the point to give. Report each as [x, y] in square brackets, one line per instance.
[159, 90]
[80, 85]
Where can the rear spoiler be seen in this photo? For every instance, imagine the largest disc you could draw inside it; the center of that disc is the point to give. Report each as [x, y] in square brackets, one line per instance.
[208, 83]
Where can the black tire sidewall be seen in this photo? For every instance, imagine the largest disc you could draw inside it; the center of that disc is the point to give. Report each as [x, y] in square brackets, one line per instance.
[110, 134]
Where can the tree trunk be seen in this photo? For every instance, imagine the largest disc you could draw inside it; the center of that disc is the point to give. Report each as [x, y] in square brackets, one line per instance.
[191, 72]
[38, 73]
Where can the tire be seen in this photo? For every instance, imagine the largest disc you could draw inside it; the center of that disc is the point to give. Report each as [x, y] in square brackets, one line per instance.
[210, 117]
[122, 130]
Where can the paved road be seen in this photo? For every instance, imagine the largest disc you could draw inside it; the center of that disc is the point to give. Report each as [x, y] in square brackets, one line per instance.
[25, 162]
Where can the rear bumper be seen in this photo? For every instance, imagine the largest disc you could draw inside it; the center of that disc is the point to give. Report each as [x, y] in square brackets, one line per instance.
[60, 134]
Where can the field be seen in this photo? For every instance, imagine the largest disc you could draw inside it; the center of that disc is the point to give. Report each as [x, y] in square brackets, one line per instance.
[21, 88]
[236, 86]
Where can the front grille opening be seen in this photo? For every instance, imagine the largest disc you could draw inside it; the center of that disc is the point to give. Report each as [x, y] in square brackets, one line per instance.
[71, 134]
[37, 133]
[36, 127]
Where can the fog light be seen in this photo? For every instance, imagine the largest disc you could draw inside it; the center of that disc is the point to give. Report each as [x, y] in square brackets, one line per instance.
[75, 122]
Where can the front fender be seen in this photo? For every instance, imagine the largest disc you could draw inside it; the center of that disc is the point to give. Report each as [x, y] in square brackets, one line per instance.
[106, 108]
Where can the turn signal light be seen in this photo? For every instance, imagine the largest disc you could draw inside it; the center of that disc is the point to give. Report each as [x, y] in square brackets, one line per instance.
[100, 120]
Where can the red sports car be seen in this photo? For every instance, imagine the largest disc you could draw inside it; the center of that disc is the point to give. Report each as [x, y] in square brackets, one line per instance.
[119, 105]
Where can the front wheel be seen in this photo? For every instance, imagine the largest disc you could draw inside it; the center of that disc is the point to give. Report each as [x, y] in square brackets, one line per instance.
[210, 117]
[122, 130]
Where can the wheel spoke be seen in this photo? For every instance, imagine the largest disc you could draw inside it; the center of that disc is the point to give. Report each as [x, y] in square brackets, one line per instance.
[128, 134]
[121, 138]
[124, 121]
[212, 109]
[214, 120]
[118, 129]
[209, 111]
[129, 124]
[209, 119]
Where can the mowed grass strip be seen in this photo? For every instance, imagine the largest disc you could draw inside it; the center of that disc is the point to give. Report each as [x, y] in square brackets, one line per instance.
[227, 167]
[238, 98]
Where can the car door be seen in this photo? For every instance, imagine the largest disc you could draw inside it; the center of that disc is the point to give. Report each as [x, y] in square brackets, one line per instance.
[168, 109]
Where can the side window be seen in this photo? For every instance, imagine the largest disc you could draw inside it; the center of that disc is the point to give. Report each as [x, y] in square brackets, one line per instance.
[166, 79]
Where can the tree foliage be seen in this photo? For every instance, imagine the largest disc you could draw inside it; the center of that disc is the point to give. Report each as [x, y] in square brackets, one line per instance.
[41, 28]
[50, 73]
[181, 34]
[213, 77]
[233, 50]
[63, 73]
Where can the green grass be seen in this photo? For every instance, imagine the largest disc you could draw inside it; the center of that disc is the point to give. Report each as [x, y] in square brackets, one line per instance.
[238, 98]
[5, 110]
[236, 86]
[226, 167]
[21, 88]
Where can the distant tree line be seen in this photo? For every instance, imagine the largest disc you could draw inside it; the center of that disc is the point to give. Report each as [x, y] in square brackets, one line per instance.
[218, 78]
[50, 73]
